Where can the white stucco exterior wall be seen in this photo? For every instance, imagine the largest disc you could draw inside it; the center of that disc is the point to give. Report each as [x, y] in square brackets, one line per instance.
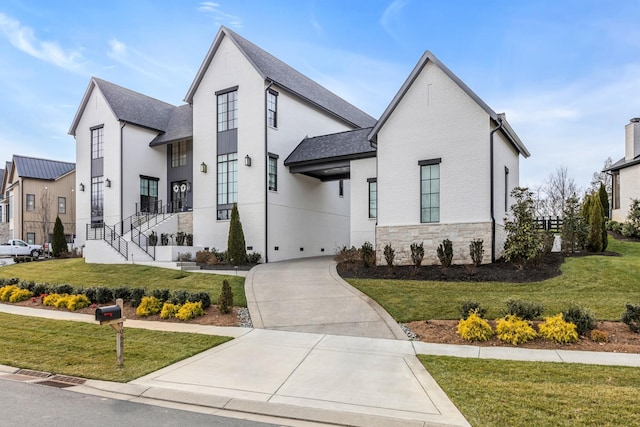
[363, 228]
[629, 189]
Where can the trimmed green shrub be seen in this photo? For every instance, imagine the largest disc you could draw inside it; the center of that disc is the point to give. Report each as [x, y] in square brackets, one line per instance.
[476, 251]
[254, 258]
[631, 317]
[136, 296]
[633, 217]
[64, 288]
[162, 294]
[179, 297]
[582, 317]
[558, 330]
[123, 292]
[236, 249]
[225, 301]
[58, 241]
[573, 230]
[474, 328]
[472, 306]
[368, 254]
[514, 330]
[445, 253]
[526, 310]
[389, 254]
[417, 254]
[103, 295]
[149, 306]
[202, 297]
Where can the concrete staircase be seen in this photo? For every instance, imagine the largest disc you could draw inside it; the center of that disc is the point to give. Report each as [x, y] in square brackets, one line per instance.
[187, 265]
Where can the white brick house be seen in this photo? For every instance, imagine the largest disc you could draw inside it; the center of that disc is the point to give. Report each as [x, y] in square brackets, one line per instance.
[309, 172]
[626, 173]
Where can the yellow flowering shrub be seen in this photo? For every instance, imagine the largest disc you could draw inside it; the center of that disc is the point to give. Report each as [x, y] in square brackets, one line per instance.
[514, 330]
[52, 300]
[190, 310]
[6, 291]
[169, 310]
[76, 302]
[474, 328]
[149, 306]
[20, 295]
[556, 329]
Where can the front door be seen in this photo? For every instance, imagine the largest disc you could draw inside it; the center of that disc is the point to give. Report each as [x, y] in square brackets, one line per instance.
[179, 196]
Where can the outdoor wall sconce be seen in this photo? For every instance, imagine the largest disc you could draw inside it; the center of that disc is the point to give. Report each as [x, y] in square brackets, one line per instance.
[107, 183]
[81, 187]
[247, 161]
[203, 167]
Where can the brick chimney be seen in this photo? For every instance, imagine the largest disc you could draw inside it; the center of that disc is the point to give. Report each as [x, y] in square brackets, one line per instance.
[632, 139]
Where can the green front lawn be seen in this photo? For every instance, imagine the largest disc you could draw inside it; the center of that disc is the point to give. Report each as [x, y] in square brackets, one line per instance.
[602, 283]
[76, 272]
[507, 393]
[89, 351]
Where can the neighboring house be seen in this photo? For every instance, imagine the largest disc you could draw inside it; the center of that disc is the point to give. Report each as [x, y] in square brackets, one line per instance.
[310, 173]
[626, 173]
[4, 222]
[36, 191]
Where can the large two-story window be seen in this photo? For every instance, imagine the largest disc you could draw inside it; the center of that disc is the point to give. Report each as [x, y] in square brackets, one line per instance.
[429, 190]
[97, 143]
[31, 202]
[272, 108]
[273, 172]
[227, 184]
[179, 154]
[228, 110]
[373, 197]
[97, 199]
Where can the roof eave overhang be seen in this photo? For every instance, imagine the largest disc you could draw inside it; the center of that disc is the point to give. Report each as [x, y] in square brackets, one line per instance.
[330, 160]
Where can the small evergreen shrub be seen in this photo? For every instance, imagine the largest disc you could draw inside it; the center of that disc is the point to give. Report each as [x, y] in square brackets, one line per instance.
[169, 310]
[254, 258]
[123, 292]
[6, 291]
[202, 297]
[27, 285]
[205, 257]
[417, 254]
[162, 294]
[627, 230]
[20, 295]
[633, 217]
[77, 302]
[631, 317]
[89, 292]
[389, 254]
[190, 310]
[179, 297]
[474, 328]
[470, 306]
[149, 306]
[368, 254]
[136, 296]
[63, 288]
[582, 317]
[557, 330]
[185, 257]
[445, 253]
[225, 301]
[514, 330]
[476, 251]
[348, 255]
[597, 335]
[103, 295]
[40, 288]
[526, 310]
[236, 248]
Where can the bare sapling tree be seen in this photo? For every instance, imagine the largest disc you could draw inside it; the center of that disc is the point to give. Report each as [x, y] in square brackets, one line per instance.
[557, 189]
[43, 214]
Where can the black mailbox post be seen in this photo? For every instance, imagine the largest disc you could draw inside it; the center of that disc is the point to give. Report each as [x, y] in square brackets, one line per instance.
[110, 312]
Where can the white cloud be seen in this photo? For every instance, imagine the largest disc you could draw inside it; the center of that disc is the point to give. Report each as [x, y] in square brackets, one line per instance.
[24, 39]
[220, 17]
[391, 16]
[122, 54]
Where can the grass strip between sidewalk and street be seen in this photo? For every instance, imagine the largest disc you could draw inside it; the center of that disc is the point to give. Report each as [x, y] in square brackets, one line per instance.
[76, 272]
[509, 393]
[89, 351]
[603, 284]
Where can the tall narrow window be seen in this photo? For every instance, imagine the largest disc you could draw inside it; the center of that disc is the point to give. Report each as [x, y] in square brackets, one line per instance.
[227, 184]
[341, 188]
[62, 205]
[97, 143]
[97, 199]
[273, 172]
[228, 110]
[31, 202]
[616, 189]
[179, 154]
[429, 190]
[373, 198]
[272, 108]
[148, 194]
[506, 189]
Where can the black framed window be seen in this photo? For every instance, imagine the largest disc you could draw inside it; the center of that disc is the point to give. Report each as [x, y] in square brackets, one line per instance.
[273, 172]
[616, 189]
[31, 202]
[227, 110]
[97, 199]
[148, 194]
[506, 189]
[179, 154]
[227, 184]
[429, 190]
[272, 108]
[373, 197]
[97, 143]
[62, 205]
[31, 238]
[341, 188]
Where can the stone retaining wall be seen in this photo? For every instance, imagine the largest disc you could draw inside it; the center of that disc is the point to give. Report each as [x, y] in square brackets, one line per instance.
[185, 222]
[432, 235]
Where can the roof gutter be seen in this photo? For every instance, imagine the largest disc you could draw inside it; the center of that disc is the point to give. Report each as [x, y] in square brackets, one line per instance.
[266, 169]
[492, 191]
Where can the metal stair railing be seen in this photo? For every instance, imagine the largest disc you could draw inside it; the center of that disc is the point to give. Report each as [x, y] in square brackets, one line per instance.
[144, 221]
[109, 235]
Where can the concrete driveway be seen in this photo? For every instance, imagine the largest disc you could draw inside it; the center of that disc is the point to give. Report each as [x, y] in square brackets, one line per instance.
[307, 295]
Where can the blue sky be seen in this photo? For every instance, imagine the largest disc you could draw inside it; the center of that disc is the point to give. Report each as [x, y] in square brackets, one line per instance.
[567, 73]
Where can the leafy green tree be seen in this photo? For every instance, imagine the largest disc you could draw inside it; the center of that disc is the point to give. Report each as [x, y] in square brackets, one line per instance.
[236, 248]
[633, 217]
[597, 235]
[604, 200]
[58, 241]
[523, 239]
[574, 230]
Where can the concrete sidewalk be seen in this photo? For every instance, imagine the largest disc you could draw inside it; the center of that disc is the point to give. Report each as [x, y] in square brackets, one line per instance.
[308, 295]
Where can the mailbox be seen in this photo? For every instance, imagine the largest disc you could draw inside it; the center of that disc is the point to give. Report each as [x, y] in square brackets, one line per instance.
[110, 312]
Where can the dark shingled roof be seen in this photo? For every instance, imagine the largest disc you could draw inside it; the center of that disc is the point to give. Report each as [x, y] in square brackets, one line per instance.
[272, 69]
[180, 126]
[133, 107]
[622, 163]
[352, 144]
[30, 167]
